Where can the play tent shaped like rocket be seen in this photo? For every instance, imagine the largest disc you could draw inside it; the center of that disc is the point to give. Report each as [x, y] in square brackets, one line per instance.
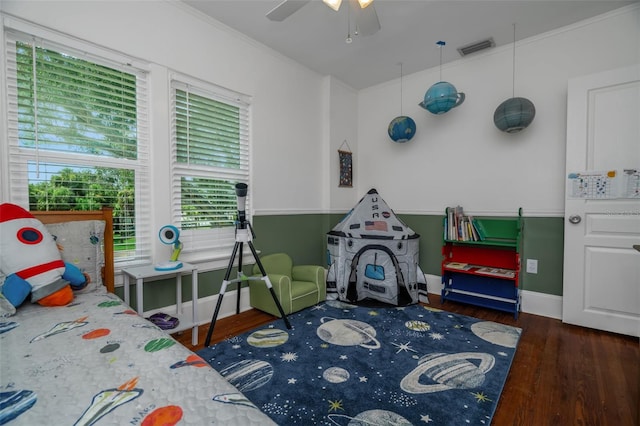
[372, 254]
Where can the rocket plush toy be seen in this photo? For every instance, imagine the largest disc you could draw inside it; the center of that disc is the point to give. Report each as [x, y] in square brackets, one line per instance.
[30, 259]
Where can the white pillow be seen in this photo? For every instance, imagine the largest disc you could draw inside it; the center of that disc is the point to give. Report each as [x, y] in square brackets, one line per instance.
[6, 308]
[81, 244]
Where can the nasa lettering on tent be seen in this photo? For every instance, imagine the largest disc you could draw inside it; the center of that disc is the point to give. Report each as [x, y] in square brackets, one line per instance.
[372, 254]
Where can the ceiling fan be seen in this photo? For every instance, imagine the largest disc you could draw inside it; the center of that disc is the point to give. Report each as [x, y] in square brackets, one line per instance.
[364, 13]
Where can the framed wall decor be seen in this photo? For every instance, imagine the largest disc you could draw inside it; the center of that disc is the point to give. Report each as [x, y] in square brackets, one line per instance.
[346, 167]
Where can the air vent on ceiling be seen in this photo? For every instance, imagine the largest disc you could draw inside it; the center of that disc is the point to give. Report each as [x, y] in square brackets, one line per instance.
[477, 46]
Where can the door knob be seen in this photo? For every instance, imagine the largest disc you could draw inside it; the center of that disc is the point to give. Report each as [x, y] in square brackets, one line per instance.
[575, 219]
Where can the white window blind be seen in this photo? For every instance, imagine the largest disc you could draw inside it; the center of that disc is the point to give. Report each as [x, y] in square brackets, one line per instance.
[78, 136]
[209, 155]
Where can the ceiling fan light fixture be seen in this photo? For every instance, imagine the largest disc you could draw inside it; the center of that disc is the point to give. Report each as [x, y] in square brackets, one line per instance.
[364, 3]
[333, 4]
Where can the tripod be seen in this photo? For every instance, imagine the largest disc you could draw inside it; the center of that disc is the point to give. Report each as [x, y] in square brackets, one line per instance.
[242, 236]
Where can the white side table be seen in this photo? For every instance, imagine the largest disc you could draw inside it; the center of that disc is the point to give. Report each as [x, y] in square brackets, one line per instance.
[149, 273]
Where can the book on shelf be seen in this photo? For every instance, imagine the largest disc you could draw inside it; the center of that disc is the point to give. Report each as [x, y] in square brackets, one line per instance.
[496, 272]
[458, 265]
[459, 227]
[478, 230]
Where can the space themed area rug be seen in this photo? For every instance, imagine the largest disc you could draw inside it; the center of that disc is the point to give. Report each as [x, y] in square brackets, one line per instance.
[342, 364]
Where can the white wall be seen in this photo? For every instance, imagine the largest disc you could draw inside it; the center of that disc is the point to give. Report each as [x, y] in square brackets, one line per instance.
[287, 98]
[461, 157]
[300, 118]
[343, 135]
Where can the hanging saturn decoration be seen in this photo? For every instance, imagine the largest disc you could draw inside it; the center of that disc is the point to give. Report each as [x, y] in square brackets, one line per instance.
[514, 114]
[402, 128]
[442, 96]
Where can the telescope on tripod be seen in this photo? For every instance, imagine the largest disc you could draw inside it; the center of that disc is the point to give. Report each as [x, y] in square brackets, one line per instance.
[244, 235]
[241, 195]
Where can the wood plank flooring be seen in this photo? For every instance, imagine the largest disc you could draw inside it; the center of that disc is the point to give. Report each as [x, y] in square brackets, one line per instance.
[561, 374]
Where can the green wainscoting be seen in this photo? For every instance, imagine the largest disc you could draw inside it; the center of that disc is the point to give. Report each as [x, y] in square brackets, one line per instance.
[429, 227]
[543, 240]
[303, 237]
[300, 236]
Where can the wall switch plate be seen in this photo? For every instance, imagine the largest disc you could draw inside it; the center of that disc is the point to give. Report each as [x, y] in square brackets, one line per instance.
[532, 266]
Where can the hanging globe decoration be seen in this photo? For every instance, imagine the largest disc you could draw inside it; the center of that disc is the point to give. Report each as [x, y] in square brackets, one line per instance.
[442, 97]
[514, 115]
[402, 129]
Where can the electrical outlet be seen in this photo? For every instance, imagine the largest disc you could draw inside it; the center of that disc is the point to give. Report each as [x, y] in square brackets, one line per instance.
[532, 266]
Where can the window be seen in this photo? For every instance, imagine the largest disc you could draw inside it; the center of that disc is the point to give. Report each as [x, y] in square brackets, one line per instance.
[78, 136]
[210, 155]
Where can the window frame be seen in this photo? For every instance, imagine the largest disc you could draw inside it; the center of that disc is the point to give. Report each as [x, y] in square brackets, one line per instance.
[16, 158]
[217, 242]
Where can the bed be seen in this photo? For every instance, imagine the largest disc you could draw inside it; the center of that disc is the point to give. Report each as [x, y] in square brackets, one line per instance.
[96, 361]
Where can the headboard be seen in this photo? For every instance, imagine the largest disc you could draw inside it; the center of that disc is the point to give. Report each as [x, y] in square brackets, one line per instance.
[106, 214]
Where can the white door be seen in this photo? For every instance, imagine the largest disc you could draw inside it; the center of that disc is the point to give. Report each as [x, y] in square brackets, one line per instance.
[601, 267]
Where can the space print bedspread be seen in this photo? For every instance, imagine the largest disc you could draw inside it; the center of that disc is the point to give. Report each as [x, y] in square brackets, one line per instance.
[96, 361]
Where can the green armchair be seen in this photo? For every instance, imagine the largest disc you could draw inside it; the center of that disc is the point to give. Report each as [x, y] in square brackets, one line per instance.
[296, 287]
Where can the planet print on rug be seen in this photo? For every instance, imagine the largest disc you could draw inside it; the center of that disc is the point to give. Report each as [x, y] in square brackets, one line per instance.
[497, 334]
[348, 365]
[448, 371]
[248, 374]
[348, 333]
[335, 375]
[371, 418]
[268, 338]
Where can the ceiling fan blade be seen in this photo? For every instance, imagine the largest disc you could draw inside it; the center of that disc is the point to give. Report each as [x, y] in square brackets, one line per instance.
[367, 20]
[285, 9]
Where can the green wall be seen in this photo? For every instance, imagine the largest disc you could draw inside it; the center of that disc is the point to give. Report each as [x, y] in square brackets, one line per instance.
[303, 237]
[543, 240]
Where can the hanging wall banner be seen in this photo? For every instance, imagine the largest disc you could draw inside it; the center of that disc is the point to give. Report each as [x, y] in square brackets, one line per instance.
[346, 166]
[346, 169]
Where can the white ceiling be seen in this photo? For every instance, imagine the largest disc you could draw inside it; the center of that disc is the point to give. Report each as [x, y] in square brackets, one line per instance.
[315, 35]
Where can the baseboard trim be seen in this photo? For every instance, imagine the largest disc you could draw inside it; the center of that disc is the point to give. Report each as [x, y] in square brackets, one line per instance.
[206, 306]
[546, 305]
[532, 302]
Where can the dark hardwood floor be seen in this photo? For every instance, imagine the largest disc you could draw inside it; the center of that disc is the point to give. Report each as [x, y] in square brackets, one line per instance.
[561, 374]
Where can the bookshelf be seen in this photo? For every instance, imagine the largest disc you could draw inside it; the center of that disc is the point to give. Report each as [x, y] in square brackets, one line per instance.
[481, 260]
